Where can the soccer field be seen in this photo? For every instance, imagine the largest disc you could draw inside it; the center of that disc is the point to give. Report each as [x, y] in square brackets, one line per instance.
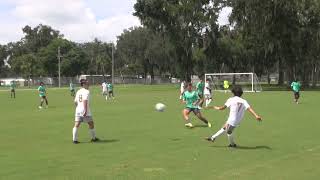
[139, 143]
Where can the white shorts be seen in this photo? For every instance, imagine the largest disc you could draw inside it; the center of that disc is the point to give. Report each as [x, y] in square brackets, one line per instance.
[83, 119]
[207, 96]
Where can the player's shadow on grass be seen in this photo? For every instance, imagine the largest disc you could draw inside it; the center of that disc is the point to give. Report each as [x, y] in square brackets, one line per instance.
[200, 126]
[101, 141]
[254, 147]
[247, 147]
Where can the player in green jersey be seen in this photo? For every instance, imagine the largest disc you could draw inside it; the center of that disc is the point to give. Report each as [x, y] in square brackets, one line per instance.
[192, 100]
[110, 90]
[200, 89]
[13, 89]
[296, 86]
[72, 90]
[42, 95]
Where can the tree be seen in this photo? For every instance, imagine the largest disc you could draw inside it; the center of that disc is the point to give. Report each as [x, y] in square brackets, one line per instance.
[185, 22]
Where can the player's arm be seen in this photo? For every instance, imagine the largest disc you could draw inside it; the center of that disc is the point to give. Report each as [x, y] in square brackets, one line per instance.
[254, 114]
[220, 108]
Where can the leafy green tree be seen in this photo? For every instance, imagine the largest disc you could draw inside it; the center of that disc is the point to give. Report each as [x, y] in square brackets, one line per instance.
[184, 21]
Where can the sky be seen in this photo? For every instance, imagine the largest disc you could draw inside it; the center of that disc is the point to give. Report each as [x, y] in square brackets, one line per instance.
[78, 20]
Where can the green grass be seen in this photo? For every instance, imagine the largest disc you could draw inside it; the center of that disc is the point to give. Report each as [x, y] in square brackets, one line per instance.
[139, 143]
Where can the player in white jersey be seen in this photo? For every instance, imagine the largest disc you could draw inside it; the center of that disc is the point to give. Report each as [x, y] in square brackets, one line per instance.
[83, 113]
[104, 88]
[207, 93]
[237, 107]
[182, 88]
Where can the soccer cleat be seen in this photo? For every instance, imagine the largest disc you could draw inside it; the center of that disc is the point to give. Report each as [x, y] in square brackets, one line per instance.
[95, 140]
[76, 142]
[232, 145]
[210, 139]
[209, 125]
[189, 125]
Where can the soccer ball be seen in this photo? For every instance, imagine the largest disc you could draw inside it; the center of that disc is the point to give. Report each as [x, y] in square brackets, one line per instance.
[160, 107]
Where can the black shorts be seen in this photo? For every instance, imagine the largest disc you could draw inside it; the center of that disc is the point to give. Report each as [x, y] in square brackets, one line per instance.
[110, 92]
[12, 90]
[296, 95]
[43, 97]
[194, 110]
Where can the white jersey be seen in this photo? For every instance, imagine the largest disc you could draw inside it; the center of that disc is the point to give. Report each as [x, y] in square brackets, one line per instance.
[207, 89]
[182, 87]
[82, 95]
[104, 87]
[237, 107]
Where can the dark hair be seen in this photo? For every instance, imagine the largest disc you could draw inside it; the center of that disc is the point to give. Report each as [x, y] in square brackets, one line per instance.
[189, 84]
[237, 91]
[83, 82]
[41, 83]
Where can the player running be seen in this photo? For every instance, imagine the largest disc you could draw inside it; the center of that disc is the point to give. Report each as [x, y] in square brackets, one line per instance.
[104, 89]
[237, 107]
[83, 113]
[226, 85]
[200, 89]
[43, 95]
[192, 100]
[207, 93]
[182, 88]
[296, 86]
[72, 89]
[13, 89]
[110, 90]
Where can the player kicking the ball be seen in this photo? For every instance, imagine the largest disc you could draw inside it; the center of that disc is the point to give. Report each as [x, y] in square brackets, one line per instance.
[83, 113]
[192, 100]
[237, 107]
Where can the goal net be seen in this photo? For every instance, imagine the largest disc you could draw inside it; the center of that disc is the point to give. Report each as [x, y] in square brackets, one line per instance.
[248, 81]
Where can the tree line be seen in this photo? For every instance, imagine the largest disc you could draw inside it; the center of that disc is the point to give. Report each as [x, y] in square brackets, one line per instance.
[180, 38]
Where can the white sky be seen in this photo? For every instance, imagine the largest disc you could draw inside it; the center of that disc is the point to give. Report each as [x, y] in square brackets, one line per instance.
[78, 20]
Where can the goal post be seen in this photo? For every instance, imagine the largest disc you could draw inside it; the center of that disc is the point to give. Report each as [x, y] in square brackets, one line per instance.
[248, 81]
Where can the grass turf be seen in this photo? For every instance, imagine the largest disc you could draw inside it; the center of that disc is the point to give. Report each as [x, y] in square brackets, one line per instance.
[140, 143]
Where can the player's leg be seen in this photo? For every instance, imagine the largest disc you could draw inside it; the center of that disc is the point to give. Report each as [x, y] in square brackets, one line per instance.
[92, 130]
[14, 93]
[46, 100]
[75, 130]
[229, 130]
[218, 133]
[297, 96]
[41, 102]
[185, 114]
[201, 117]
[202, 100]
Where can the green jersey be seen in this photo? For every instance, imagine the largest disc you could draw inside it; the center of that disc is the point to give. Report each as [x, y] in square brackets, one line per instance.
[42, 91]
[110, 87]
[200, 87]
[190, 98]
[296, 86]
[13, 86]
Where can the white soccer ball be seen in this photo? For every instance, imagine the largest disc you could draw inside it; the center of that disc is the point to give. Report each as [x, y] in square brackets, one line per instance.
[160, 107]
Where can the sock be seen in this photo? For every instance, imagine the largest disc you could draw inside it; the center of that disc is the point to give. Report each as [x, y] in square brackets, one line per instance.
[209, 101]
[188, 121]
[75, 134]
[230, 138]
[217, 134]
[93, 133]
